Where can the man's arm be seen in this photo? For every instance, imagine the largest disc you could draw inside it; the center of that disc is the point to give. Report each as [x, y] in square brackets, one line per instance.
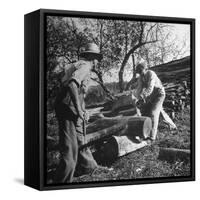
[150, 85]
[75, 97]
[138, 90]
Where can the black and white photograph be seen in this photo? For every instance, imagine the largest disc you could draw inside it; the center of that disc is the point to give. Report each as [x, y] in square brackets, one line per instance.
[118, 100]
[98, 100]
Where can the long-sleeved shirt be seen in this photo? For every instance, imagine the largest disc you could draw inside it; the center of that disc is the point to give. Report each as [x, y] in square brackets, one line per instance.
[148, 84]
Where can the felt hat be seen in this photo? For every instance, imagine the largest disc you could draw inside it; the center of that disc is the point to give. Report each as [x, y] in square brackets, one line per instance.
[92, 49]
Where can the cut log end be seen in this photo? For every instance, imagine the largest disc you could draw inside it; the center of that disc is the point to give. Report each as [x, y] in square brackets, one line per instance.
[139, 126]
[118, 146]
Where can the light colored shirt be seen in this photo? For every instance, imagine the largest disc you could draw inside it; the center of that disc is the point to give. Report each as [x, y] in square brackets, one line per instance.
[83, 72]
[77, 75]
[78, 71]
[147, 83]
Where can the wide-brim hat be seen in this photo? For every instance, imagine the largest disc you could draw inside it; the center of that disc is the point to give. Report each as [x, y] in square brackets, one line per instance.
[92, 49]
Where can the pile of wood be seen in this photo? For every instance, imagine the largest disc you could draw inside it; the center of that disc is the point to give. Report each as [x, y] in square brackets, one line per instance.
[118, 130]
[123, 105]
[177, 97]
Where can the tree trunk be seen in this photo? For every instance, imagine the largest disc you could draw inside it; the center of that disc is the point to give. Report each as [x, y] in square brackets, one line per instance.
[101, 83]
[131, 51]
[121, 71]
[107, 91]
[133, 79]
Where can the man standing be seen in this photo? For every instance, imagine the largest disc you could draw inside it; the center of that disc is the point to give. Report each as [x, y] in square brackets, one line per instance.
[151, 94]
[70, 112]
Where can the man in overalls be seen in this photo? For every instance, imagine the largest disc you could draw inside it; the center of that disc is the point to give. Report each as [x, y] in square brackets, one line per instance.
[71, 114]
[150, 94]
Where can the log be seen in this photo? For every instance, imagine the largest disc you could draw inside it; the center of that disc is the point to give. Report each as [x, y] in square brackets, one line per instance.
[104, 123]
[94, 111]
[173, 154]
[116, 129]
[118, 146]
[139, 126]
[96, 116]
[171, 87]
[107, 105]
[178, 88]
[123, 102]
[126, 145]
[130, 126]
[109, 113]
[128, 112]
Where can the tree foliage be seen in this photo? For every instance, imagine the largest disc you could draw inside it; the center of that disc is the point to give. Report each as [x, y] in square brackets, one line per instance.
[122, 43]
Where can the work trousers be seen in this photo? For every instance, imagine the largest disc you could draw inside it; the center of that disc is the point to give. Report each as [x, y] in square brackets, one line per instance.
[71, 137]
[152, 109]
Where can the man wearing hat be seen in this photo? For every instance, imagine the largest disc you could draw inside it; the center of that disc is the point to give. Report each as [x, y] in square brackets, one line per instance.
[151, 94]
[71, 115]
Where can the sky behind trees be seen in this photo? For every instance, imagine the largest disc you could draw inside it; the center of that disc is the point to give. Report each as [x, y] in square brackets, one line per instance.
[122, 43]
[180, 34]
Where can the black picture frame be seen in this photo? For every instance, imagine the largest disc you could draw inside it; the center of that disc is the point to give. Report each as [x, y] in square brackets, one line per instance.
[35, 97]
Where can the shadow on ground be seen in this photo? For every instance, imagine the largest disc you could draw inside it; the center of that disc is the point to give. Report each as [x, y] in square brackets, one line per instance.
[19, 180]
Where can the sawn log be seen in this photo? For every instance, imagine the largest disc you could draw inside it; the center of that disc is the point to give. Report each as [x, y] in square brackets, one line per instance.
[123, 102]
[117, 146]
[130, 126]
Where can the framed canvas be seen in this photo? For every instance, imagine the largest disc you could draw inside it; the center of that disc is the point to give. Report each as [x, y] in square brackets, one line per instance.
[109, 99]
